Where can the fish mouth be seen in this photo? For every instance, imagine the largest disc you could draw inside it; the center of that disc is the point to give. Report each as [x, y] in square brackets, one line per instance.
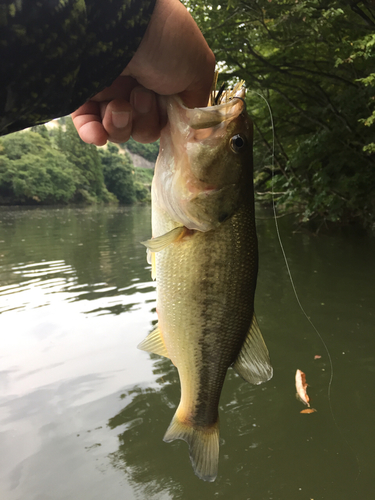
[212, 116]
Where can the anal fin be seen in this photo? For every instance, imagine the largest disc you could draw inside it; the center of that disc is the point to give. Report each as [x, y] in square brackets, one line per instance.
[154, 343]
[253, 362]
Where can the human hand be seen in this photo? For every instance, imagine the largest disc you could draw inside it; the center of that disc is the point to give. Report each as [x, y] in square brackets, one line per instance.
[173, 58]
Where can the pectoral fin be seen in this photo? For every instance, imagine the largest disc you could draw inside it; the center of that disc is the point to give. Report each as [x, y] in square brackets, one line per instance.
[253, 362]
[160, 242]
[154, 343]
[151, 260]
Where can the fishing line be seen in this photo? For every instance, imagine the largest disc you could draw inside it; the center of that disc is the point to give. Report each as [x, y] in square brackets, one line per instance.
[329, 388]
[284, 254]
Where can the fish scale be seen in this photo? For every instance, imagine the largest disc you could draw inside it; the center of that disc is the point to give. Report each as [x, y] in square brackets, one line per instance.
[205, 259]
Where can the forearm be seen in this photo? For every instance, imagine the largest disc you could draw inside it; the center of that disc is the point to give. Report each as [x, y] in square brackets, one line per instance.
[52, 59]
[173, 58]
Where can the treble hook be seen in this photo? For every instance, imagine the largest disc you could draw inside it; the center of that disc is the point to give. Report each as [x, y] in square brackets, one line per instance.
[219, 94]
[241, 99]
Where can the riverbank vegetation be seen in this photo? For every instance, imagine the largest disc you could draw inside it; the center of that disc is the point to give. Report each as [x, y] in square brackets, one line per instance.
[53, 166]
[313, 61]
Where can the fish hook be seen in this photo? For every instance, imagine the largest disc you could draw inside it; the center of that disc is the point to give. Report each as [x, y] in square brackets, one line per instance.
[241, 99]
[219, 94]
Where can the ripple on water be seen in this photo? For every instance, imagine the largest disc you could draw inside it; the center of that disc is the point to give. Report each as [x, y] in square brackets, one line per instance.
[32, 283]
[31, 286]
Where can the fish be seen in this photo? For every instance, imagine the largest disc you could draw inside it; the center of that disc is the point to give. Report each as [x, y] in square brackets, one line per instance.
[204, 256]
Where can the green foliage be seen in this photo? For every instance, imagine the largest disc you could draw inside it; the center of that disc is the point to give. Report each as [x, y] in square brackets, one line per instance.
[313, 61]
[144, 175]
[147, 151]
[118, 175]
[52, 165]
[14, 146]
[30, 171]
[366, 51]
[41, 130]
[85, 158]
[141, 192]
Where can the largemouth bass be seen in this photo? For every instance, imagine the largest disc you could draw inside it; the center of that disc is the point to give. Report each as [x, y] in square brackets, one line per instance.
[205, 259]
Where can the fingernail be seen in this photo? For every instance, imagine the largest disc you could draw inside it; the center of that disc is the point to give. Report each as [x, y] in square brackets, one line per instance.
[120, 119]
[142, 101]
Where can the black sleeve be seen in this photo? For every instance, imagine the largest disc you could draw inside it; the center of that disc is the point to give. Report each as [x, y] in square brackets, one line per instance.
[56, 54]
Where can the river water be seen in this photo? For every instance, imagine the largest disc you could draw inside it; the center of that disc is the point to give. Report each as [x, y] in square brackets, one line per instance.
[83, 412]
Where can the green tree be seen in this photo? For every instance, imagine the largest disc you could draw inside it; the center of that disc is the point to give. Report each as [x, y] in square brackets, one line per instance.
[312, 60]
[141, 192]
[148, 151]
[32, 172]
[118, 174]
[364, 49]
[41, 130]
[16, 145]
[85, 157]
[58, 136]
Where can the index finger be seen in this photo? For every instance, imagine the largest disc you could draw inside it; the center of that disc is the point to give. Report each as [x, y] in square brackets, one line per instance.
[88, 122]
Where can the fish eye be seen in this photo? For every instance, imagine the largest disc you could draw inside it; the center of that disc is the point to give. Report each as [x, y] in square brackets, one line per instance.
[237, 142]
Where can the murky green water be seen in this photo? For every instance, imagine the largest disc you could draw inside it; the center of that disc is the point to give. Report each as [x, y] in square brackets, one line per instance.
[83, 412]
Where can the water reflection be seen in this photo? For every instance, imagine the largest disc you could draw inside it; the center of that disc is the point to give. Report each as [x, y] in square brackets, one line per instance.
[83, 412]
[99, 257]
[263, 443]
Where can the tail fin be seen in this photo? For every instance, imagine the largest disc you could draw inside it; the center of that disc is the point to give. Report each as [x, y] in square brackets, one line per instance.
[203, 446]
